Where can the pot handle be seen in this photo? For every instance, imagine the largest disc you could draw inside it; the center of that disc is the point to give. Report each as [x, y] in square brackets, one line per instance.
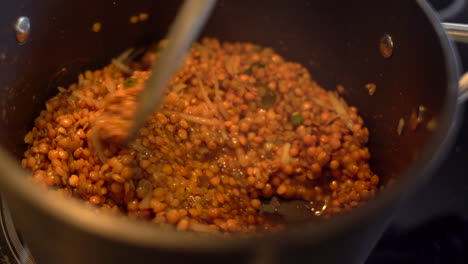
[459, 33]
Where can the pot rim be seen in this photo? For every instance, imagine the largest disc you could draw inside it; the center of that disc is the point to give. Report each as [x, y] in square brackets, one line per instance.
[15, 184]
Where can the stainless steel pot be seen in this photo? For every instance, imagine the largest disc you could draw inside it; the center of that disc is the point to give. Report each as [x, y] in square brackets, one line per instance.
[339, 43]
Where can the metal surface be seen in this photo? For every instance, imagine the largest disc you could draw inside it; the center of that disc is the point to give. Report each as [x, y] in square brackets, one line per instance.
[186, 28]
[432, 227]
[19, 253]
[458, 32]
[386, 46]
[22, 29]
[302, 31]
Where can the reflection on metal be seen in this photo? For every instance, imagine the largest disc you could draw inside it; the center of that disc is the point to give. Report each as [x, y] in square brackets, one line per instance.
[19, 251]
[22, 29]
[386, 46]
[457, 32]
[417, 117]
[401, 126]
[318, 207]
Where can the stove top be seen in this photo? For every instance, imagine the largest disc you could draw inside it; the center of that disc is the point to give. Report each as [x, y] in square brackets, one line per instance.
[431, 227]
[12, 248]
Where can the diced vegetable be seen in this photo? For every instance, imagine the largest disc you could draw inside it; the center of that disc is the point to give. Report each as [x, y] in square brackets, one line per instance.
[257, 47]
[258, 64]
[401, 126]
[285, 157]
[413, 121]
[255, 64]
[297, 120]
[268, 97]
[248, 71]
[130, 82]
[340, 107]
[371, 88]
[29, 138]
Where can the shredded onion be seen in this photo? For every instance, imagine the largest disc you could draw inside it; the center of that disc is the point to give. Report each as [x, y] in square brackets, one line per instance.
[340, 108]
[218, 99]
[90, 101]
[61, 89]
[241, 157]
[229, 65]
[211, 107]
[207, 99]
[401, 126]
[145, 202]
[141, 148]
[204, 229]
[80, 79]
[120, 61]
[232, 65]
[322, 104]
[132, 55]
[124, 55]
[158, 176]
[179, 87]
[97, 145]
[124, 68]
[285, 158]
[29, 138]
[110, 87]
[196, 119]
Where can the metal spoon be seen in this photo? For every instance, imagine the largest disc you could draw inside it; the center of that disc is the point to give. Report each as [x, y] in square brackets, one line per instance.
[183, 32]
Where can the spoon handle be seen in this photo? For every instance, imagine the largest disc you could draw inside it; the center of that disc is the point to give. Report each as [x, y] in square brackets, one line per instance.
[183, 32]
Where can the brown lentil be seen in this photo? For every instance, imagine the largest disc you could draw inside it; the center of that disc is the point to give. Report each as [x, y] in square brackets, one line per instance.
[205, 158]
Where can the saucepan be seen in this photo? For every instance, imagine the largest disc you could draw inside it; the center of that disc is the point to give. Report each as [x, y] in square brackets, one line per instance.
[400, 46]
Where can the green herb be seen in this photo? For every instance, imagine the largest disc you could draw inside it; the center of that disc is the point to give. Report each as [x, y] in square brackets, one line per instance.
[268, 96]
[130, 82]
[262, 89]
[248, 71]
[255, 64]
[257, 47]
[258, 64]
[297, 120]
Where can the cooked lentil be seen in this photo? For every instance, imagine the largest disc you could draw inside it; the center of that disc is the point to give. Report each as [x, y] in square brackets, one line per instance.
[239, 124]
[371, 88]
[96, 27]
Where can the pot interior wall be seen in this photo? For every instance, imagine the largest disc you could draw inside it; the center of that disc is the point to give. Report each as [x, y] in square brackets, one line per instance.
[337, 41]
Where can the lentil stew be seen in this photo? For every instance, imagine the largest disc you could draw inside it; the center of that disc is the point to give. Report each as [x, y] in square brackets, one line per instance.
[239, 124]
